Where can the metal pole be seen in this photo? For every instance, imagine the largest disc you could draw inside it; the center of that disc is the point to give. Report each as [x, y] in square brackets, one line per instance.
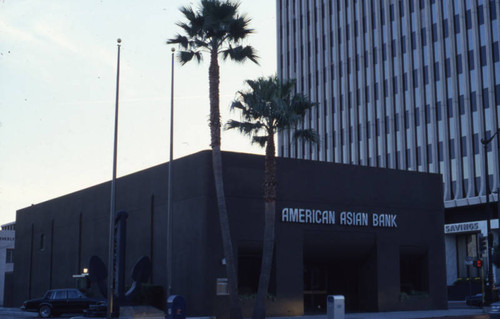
[113, 199]
[498, 192]
[485, 141]
[170, 201]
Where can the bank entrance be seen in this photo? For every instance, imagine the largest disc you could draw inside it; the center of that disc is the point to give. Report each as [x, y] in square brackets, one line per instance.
[339, 264]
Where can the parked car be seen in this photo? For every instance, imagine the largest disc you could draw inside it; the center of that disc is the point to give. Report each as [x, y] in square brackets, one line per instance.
[494, 310]
[474, 300]
[477, 299]
[59, 301]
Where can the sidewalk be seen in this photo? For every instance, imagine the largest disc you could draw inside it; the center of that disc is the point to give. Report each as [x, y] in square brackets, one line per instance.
[16, 313]
[456, 309]
[455, 312]
[449, 314]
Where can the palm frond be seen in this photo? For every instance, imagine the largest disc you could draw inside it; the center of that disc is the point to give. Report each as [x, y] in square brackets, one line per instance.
[308, 135]
[238, 28]
[194, 25]
[186, 56]
[274, 106]
[218, 15]
[188, 12]
[244, 127]
[182, 41]
[215, 26]
[261, 140]
[240, 54]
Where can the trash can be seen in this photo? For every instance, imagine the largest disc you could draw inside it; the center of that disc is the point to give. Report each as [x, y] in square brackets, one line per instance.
[335, 307]
[176, 307]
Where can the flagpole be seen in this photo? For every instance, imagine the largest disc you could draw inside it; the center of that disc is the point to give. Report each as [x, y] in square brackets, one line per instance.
[110, 313]
[170, 200]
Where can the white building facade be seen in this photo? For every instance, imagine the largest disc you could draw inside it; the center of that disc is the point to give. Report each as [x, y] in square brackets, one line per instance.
[401, 84]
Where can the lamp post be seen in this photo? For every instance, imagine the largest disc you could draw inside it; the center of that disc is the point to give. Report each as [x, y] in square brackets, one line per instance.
[170, 201]
[110, 313]
[490, 293]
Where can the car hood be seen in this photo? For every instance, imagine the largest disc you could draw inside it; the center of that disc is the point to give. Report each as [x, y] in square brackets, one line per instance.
[33, 300]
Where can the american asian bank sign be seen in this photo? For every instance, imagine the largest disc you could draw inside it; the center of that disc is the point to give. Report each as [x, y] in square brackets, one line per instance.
[331, 217]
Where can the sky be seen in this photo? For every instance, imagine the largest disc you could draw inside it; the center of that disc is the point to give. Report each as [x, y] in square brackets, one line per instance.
[58, 87]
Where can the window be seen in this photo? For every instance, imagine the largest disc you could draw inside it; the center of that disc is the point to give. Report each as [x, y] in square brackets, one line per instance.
[464, 146]
[452, 148]
[468, 19]
[459, 64]
[476, 143]
[59, 294]
[473, 102]
[497, 94]
[436, 71]
[457, 23]
[73, 294]
[448, 67]
[483, 56]
[480, 15]
[495, 52]
[471, 60]
[486, 100]
[461, 104]
[9, 256]
[445, 28]
[434, 32]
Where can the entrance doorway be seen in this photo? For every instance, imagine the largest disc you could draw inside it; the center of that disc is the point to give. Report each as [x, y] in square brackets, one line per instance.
[339, 267]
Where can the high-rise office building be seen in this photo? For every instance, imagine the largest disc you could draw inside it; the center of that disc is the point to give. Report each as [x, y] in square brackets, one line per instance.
[402, 84]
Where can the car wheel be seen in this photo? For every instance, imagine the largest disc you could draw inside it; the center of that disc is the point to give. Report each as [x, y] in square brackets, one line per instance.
[45, 311]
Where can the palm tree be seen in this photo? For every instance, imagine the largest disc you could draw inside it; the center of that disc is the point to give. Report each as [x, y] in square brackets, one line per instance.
[268, 107]
[217, 29]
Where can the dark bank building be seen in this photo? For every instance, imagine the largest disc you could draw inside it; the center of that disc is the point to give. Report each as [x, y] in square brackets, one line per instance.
[373, 235]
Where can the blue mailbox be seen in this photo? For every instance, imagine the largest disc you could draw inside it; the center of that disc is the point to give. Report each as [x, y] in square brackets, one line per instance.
[176, 307]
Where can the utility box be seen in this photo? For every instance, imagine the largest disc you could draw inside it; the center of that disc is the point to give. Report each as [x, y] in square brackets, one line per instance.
[176, 307]
[335, 307]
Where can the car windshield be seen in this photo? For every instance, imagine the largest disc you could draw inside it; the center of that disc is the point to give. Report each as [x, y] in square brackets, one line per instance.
[48, 294]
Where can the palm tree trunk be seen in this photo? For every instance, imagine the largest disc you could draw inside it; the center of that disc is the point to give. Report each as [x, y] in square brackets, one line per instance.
[235, 306]
[259, 311]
